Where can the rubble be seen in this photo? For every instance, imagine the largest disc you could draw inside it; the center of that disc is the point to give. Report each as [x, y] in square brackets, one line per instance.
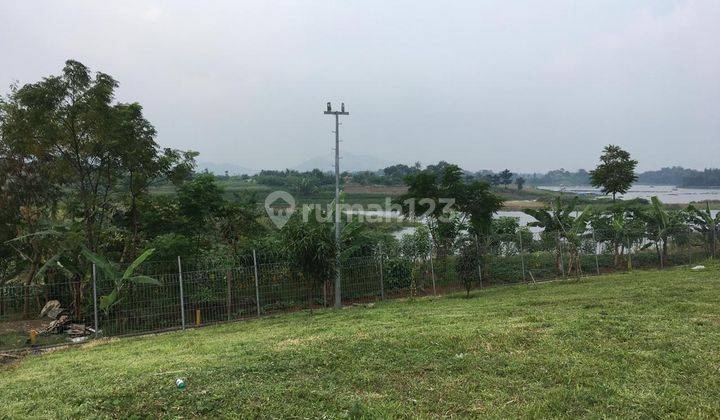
[61, 322]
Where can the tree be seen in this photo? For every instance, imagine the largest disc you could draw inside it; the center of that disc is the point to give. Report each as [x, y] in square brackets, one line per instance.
[416, 246]
[506, 177]
[423, 197]
[199, 200]
[29, 190]
[479, 204]
[139, 158]
[520, 182]
[67, 131]
[430, 192]
[616, 172]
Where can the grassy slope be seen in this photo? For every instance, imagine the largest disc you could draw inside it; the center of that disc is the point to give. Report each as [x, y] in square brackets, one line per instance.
[641, 344]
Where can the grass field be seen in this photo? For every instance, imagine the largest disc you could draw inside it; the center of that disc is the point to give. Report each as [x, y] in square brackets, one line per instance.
[643, 344]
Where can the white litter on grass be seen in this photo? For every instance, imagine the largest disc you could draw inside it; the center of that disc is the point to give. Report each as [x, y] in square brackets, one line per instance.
[698, 267]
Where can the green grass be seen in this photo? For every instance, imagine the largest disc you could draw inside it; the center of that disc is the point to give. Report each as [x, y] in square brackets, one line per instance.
[643, 344]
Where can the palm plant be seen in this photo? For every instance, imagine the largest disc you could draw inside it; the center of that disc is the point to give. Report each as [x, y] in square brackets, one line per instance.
[311, 246]
[623, 226]
[627, 231]
[662, 224]
[573, 234]
[705, 223]
[555, 220]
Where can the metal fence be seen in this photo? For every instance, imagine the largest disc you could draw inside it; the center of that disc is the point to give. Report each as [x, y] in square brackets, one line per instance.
[197, 293]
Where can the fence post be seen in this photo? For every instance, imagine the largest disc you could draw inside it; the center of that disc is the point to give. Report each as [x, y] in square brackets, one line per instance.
[477, 251]
[382, 277]
[689, 246]
[182, 297]
[522, 257]
[432, 273]
[95, 306]
[597, 262]
[257, 283]
[560, 249]
[229, 280]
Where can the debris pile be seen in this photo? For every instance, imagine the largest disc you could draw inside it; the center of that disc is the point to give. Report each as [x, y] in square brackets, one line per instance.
[61, 321]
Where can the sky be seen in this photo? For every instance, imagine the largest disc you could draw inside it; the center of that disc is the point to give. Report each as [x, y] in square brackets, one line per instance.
[526, 85]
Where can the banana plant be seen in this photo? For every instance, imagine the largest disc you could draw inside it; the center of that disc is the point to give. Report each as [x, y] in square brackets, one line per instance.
[554, 220]
[626, 233]
[661, 225]
[706, 224]
[120, 280]
[573, 232]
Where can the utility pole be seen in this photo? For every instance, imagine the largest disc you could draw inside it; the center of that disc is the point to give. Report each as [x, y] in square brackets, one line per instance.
[329, 111]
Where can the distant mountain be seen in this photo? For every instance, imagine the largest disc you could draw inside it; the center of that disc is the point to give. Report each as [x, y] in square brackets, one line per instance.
[348, 162]
[221, 168]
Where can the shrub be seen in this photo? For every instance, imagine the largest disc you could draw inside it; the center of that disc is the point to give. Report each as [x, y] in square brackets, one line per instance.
[398, 273]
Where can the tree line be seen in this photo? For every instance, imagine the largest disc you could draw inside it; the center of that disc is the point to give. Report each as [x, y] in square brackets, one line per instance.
[676, 176]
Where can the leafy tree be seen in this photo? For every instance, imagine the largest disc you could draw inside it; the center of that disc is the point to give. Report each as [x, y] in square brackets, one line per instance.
[238, 224]
[520, 183]
[178, 165]
[139, 157]
[416, 246]
[199, 200]
[29, 190]
[469, 263]
[509, 236]
[616, 172]
[506, 177]
[397, 173]
[169, 246]
[479, 203]
[429, 193]
[423, 197]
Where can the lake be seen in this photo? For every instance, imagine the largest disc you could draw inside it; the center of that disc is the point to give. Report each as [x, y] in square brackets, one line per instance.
[666, 193]
[523, 219]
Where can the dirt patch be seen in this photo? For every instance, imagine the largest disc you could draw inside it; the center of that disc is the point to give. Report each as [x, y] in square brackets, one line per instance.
[12, 358]
[520, 205]
[375, 189]
[23, 325]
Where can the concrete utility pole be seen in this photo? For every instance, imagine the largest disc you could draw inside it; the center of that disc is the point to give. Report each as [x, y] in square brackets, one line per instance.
[329, 111]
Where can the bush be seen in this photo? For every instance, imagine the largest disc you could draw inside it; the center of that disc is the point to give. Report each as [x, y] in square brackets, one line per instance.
[398, 273]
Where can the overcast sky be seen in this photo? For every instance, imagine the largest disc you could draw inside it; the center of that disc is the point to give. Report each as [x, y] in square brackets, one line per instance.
[529, 85]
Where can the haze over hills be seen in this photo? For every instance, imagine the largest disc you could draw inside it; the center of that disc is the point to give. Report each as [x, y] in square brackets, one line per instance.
[221, 168]
[349, 162]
